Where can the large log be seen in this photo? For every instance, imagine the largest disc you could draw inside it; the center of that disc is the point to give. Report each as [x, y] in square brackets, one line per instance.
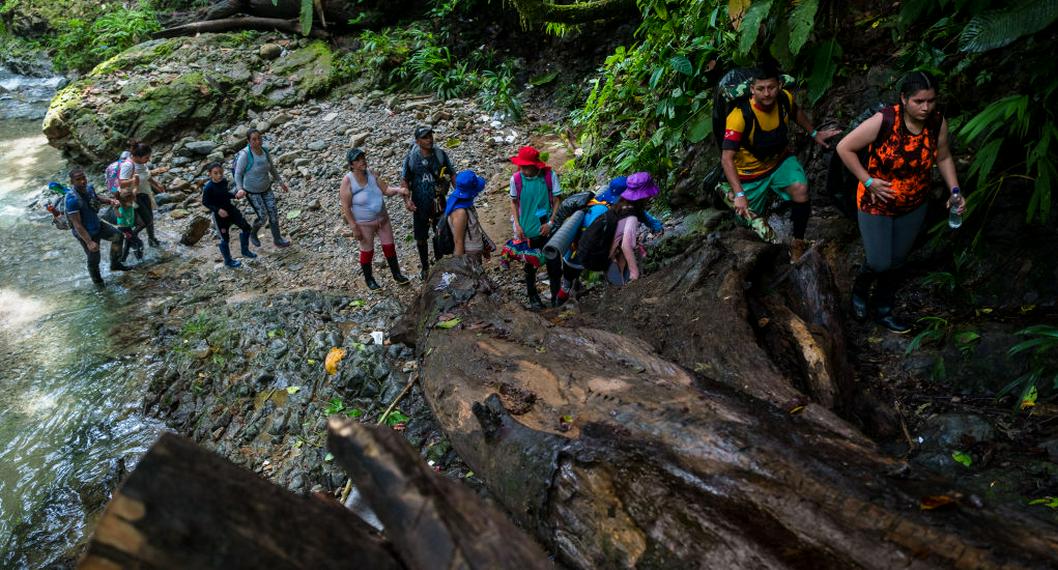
[237, 23]
[433, 522]
[185, 507]
[616, 456]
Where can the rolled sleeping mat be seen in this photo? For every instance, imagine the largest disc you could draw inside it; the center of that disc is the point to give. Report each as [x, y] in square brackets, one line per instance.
[561, 240]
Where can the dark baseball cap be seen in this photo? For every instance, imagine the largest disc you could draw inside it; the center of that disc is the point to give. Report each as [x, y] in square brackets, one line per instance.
[421, 132]
[354, 154]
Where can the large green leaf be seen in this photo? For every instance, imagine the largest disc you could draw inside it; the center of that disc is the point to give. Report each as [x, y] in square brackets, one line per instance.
[305, 18]
[824, 65]
[701, 126]
[997, 28]
[681, 64]
[802, 20]
[751, 25]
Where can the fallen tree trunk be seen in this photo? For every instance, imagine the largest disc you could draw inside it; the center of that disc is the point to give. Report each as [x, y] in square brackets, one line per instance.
[185, 507]
[617, 457]
[433, 522]
[237, 23]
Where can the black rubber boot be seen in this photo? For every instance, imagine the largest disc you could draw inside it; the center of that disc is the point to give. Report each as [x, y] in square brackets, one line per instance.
[424, 258]
[244, 242]
[861, 289]
[225, 251]
[256, 241]
[535, 303]
[369, 278]
[394, 268]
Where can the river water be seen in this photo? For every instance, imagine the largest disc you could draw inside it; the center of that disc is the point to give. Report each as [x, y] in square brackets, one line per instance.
[69, 389]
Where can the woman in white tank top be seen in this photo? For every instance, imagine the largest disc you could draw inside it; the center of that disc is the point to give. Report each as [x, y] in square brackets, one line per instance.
[361, 197]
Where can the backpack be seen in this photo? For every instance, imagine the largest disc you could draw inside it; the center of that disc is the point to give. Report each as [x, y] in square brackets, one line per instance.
[842, 184]
[249, 159]
[576, 202]
[444, 243]
[113, 171]
[594, 243]
[549, 181]
[57, 206]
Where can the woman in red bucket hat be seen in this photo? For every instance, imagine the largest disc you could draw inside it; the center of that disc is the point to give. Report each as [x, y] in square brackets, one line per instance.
[534, 203]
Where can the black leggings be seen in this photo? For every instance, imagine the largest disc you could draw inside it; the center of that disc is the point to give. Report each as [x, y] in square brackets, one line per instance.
[887, 241]
[554, 269]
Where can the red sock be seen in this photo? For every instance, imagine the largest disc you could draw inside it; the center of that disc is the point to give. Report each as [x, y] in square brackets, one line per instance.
[389, 250]
[366, 256]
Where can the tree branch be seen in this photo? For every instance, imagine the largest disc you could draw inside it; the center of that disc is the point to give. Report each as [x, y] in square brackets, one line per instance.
[539, 11]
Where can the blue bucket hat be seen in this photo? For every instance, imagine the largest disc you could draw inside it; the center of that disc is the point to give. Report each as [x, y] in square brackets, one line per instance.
[468, 185]
[614, 190]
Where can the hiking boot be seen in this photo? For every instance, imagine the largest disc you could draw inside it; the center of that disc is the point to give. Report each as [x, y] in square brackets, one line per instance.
[282, 242]
[119, 267]
[233, 263]
[887, 319]
[424, 274]
[244, 243]
[138, 252]
[256, 241]
[153, 242]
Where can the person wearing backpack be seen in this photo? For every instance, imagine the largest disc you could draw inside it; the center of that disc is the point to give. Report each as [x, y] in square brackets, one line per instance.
[534, 195]
[426, 174]
[894, 187]
[608, 241]
[216, 197]
[363, 207]
[254, 174]
[468, 236]
[81, 207]
[757, 161]
[135, 173]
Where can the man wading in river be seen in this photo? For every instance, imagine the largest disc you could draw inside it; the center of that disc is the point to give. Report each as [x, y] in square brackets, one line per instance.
[82, 213]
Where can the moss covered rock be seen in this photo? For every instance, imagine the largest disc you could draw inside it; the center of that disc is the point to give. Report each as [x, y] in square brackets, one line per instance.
[160, 89]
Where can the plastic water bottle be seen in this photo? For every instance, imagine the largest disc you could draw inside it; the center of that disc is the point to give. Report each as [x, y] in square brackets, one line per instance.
[954, 217]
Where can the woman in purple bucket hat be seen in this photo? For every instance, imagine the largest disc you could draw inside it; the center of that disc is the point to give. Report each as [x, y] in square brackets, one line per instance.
[624, 249]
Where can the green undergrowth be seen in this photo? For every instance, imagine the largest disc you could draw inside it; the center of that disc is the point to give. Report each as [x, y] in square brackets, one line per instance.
[417, 58]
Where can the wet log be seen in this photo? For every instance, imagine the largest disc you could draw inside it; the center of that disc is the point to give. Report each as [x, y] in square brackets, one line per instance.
[433, 522]
[596, 438]
[185, 507]
[237, 23]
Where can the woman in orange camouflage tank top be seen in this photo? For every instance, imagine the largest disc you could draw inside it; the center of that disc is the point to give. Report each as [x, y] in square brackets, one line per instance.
[903, 144]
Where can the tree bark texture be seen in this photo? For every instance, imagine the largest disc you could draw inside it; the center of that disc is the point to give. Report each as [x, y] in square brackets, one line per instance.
[654, 430]
[432, 522]
[237, 23]
[185, 507]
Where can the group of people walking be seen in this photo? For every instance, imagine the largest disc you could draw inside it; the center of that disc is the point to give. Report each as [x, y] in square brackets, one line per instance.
[901, 144]
[892, 154]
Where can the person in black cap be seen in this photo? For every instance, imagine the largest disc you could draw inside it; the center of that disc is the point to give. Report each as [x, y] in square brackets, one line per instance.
[427, 174]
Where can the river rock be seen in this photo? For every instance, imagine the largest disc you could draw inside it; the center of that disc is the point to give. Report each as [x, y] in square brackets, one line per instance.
[270, 51]
[179, 214]
[92, 119]
[197, 228]
[316, 145]
[315, 205]
[358, 139]
[163, 198]
[201, 148]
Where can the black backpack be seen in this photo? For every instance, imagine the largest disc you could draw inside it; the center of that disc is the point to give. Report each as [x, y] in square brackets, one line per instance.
[576, 202]
[842, 184]
[593, 246]
[444, 243]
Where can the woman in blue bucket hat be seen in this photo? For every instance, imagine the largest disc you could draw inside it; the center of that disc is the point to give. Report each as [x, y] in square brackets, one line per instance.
[469, 237]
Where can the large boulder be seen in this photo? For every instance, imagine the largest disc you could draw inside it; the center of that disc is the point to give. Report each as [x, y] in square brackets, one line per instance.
[160, 89]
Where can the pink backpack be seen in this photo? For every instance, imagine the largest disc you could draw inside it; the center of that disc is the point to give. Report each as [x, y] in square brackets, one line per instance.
[112, 172]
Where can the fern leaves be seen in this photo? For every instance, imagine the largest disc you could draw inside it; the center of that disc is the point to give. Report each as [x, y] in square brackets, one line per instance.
[802, 20]
[998, 28]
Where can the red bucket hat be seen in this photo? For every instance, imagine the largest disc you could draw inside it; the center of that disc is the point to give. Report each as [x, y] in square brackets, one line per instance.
[528, 156]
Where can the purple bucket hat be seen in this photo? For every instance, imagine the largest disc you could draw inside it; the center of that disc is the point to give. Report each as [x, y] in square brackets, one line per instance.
[640, 187]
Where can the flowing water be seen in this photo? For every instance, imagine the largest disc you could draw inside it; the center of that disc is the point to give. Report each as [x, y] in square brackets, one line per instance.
[69, 421]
